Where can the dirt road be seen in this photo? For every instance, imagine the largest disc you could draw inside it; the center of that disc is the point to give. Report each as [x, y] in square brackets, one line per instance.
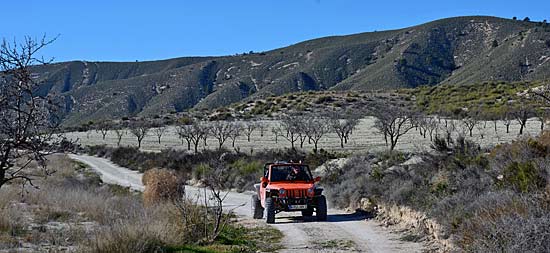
[343, 232]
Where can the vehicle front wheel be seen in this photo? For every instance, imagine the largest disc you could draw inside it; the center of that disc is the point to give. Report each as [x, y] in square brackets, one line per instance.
[308, 212]
[257, 209]
[269, 210]
[321, 209]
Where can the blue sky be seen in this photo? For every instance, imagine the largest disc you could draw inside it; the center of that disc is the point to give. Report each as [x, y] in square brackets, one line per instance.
[147, 30]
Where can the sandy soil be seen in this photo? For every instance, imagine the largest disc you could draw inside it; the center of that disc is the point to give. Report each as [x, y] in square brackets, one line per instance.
[343, 232]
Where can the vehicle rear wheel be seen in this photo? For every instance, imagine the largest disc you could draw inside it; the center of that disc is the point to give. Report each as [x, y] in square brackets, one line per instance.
[257, 209]
[321, 210]
[269, 210]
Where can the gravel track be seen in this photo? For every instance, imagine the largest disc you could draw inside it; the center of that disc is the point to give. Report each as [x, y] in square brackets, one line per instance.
[343, 232]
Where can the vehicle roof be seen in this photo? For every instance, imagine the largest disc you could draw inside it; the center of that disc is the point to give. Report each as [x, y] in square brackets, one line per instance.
[287, 164]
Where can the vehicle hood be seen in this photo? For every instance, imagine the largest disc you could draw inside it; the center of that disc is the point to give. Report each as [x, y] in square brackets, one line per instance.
[289, 186]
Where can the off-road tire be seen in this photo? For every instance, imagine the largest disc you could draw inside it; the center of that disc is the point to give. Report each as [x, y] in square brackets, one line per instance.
[308, 212]
[269, 210]
[321, 209]
[257, 209]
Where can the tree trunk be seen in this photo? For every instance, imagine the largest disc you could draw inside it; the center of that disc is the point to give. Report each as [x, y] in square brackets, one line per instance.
[315, 146]
[393, 144]
[521, 128]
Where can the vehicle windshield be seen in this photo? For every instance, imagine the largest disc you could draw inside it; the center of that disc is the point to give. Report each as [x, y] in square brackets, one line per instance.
[290, 173]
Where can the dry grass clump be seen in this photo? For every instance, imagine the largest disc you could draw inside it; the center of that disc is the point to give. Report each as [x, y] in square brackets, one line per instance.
[161, 185]
[151, 231]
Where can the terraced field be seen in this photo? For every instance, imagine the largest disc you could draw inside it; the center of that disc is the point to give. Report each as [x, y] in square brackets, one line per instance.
[364, 138]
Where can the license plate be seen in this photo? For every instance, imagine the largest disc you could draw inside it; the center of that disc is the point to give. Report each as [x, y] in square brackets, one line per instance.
[297, 207]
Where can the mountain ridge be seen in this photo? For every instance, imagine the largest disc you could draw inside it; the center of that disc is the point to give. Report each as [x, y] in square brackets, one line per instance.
[458, 50]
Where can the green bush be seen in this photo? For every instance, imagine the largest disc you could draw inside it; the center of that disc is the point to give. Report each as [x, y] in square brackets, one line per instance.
[523, 177]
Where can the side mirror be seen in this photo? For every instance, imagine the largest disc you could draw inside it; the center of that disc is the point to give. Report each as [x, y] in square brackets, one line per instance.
[317, 179]
[263, 179]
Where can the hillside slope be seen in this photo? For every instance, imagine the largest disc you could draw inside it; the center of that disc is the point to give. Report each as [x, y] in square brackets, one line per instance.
[458, 50]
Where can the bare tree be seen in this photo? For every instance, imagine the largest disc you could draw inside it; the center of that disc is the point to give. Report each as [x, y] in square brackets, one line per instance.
[159, 131]
[215, 181]
[139, 131]
[481, 130]
[221, 130]
[431, 126]
[507, 118]
[120, 132]
[236, 130]
[302, 127]
[542, 114]
[288, 129]
[276, 132]
[470, 123]
[427, 125]
[344, 127]
[103, 128]
[193, 134]
[522, 113]
[208, 207]
[183, 134]
[28, 122]
[262, 127]
[317, 128]
[206, 130]
[249, 128]
[543, 93]
[393, 122]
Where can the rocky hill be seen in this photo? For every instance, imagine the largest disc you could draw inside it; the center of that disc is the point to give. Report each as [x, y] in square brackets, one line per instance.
[456, 51]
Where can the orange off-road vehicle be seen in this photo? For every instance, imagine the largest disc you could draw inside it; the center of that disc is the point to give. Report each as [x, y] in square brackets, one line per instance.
[288, 187]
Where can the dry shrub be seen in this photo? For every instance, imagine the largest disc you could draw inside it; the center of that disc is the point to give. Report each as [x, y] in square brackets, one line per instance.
[7, 195]
[544, 138]
[160, 185]
[507, 222]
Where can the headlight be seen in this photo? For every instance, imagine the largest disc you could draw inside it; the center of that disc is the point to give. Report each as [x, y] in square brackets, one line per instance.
[311, 192]
[282, 192]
